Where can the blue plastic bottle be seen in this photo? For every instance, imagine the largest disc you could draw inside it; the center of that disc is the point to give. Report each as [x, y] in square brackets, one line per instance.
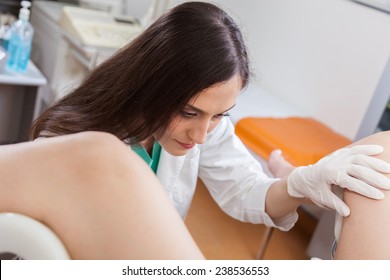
[19, 46]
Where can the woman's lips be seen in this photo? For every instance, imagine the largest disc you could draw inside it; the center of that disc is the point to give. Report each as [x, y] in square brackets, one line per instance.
[186, 146]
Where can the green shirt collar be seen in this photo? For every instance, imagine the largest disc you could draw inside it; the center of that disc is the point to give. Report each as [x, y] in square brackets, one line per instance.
[151, 161]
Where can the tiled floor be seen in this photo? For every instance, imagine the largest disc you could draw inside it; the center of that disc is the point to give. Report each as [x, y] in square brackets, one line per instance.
[221, 237]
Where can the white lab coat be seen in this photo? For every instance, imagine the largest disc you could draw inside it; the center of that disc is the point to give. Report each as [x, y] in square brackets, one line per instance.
[233, 176]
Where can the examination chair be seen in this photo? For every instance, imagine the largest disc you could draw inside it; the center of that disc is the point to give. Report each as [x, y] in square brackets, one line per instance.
[303, 141]
[22, 237]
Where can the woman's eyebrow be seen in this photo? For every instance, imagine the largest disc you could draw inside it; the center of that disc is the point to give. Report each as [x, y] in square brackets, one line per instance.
[191, 107]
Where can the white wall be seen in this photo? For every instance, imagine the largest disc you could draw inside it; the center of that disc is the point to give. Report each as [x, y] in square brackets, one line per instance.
[324, 57]
[137, 8]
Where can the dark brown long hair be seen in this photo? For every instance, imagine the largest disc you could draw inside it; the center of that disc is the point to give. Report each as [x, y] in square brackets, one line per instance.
[143, 86]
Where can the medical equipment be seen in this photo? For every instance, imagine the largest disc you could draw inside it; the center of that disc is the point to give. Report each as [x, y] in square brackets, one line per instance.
[66, 53]
[97, 28]
[29, 239]
[112, 6]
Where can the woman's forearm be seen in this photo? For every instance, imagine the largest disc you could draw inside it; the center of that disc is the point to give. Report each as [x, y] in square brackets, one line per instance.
[278, 203]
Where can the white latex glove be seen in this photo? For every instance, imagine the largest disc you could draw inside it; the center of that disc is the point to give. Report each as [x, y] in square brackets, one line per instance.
[351, 168]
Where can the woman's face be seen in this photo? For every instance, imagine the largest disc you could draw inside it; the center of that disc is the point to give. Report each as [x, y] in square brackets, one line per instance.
[200, 116]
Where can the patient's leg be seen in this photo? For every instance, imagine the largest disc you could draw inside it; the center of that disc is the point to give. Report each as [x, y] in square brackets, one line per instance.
[97, 195]
[365, 233]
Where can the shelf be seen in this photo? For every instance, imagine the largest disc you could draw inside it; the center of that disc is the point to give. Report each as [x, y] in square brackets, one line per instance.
[32, 77]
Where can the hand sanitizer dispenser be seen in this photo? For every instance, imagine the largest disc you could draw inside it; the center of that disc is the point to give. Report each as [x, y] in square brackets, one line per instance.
[19, 46]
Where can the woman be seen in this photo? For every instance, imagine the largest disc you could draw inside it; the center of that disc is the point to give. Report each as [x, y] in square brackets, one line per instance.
[167, 94]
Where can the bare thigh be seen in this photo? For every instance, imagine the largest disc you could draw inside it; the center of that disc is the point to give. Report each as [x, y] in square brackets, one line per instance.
[97, 195]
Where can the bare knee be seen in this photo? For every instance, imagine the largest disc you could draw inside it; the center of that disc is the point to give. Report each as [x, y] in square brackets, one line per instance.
[87, 151]
[98, 144]
[33, 173]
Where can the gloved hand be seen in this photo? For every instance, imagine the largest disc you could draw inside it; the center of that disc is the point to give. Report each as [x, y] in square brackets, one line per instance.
[351, 168]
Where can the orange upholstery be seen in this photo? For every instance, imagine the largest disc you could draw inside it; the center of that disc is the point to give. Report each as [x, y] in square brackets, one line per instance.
[303, 141]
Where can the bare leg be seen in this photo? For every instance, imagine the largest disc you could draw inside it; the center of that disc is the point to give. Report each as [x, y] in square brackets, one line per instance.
[278, 165]
[97, 195]
[365, 233]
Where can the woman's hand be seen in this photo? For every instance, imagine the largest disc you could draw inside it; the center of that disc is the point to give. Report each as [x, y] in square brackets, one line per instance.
[352, 168]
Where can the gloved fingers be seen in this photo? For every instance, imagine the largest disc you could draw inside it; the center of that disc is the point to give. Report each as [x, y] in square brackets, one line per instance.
[367, 149]
[360, 187]
[372, 162]
[276, 152]
[370, 176]
[332, 201]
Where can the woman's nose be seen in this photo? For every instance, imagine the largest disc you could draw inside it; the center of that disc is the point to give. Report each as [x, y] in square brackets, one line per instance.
[199, 132]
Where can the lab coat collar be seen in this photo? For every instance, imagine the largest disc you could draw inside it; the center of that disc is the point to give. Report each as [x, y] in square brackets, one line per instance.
[169, 168]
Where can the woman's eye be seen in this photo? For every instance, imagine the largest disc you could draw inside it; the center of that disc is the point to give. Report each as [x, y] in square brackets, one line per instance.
[188, 114]
[220, 116]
